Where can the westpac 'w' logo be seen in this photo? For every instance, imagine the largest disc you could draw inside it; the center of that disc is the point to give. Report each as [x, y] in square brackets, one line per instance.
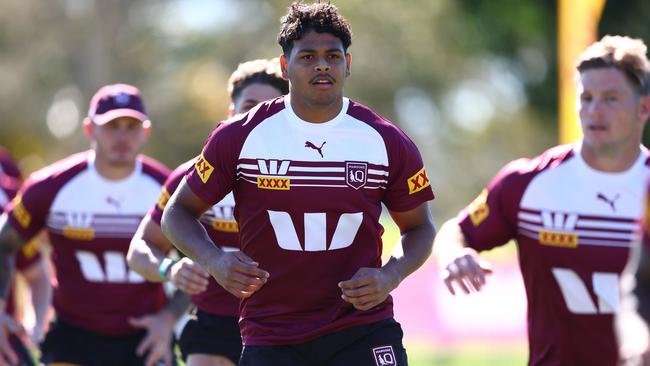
[273, 167]
[272, 172]
[315, 231]
[558, 229]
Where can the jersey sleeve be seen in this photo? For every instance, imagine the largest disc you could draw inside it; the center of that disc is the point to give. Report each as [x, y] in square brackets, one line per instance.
[8, 165]
[28, 211]
[169, 187]
[29, 255]
[214, 171]
[490, 220]
[408, 182]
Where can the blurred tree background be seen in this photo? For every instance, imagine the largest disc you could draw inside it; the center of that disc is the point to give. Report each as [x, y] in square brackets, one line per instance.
[473, 82]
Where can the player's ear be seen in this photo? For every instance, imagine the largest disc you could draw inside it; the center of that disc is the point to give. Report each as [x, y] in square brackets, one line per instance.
[88, 128]
[231, 109]
[146, 127]
[348, 68]
[283, 66]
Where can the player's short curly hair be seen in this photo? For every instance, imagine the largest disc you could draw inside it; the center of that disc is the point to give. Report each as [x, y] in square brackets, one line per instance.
[260, 71]
[320, 17]
[624, 53]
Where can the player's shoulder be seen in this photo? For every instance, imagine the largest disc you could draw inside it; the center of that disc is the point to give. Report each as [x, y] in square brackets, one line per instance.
[389, 132]
[178, 173]
[61, 170]
[184, 167]
[369, 116]
[247, 121]
[154, 168]
[234, 131]
[8, 165]
[526, 167]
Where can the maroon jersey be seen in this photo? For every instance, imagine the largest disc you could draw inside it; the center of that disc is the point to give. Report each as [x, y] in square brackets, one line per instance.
[308, 204]
[90, 221]
[8, 165]
[574, 228]
[29, 254]
[222, 228]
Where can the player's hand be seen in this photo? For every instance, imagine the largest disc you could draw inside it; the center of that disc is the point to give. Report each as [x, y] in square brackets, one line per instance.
[189, 276]
[368, 288]
[7, 326]
[157, 343]
[238, 274]
[467, 271]
[36, 335]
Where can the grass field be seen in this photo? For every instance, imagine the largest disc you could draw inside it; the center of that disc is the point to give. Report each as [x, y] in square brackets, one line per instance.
[467, 355]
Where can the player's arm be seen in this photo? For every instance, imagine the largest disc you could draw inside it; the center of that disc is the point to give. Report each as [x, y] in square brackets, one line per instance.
[10, 243]
[370, 286]
[234, 271]
[38, 277]
[462, 266]
[147, 256]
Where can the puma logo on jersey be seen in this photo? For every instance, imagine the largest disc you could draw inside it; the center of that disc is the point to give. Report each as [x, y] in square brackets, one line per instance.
[114, 202]
[312, 146]
[611, 203]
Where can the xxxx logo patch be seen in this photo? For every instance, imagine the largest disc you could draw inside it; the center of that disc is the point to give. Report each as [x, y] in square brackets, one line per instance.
[418, 181]
[479, 209]
[163, 199]
[20, 212]
[274, 183]
[203, 168]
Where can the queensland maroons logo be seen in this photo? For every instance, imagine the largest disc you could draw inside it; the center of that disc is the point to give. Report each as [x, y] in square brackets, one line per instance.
[384, 356]
[356, 174]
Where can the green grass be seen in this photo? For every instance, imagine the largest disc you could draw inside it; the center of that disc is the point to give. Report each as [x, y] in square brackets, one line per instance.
[467, 355]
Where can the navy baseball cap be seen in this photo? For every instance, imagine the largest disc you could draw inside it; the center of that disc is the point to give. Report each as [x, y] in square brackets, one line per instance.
[114, 101]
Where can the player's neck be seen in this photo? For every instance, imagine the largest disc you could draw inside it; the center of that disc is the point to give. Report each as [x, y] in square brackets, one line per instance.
[315, 113]
[610, 160]
[112, 171]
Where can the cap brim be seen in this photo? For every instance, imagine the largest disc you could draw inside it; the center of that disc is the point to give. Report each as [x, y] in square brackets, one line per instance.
[103, 119]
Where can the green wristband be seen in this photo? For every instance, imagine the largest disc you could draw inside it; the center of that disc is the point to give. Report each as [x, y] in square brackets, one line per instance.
[164, 267]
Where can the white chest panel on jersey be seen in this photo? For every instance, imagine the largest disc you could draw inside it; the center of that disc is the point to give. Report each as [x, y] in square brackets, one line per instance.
[573, 196]
[285, 138]
[91, 203]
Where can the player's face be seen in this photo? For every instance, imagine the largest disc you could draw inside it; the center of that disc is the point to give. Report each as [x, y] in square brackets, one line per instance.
[253, 95]
[612, 114]
[316, 68]
[119, 141]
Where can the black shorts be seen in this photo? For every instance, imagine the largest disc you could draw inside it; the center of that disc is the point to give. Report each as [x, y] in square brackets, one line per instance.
[376, 344]
[68, 344]
[211, 335]
[24, 356]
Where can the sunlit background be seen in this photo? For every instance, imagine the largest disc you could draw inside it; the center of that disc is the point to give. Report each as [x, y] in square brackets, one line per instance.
[473, 82]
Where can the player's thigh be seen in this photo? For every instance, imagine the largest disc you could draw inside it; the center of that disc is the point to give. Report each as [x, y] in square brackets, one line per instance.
[381, 346]
[197, 359]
